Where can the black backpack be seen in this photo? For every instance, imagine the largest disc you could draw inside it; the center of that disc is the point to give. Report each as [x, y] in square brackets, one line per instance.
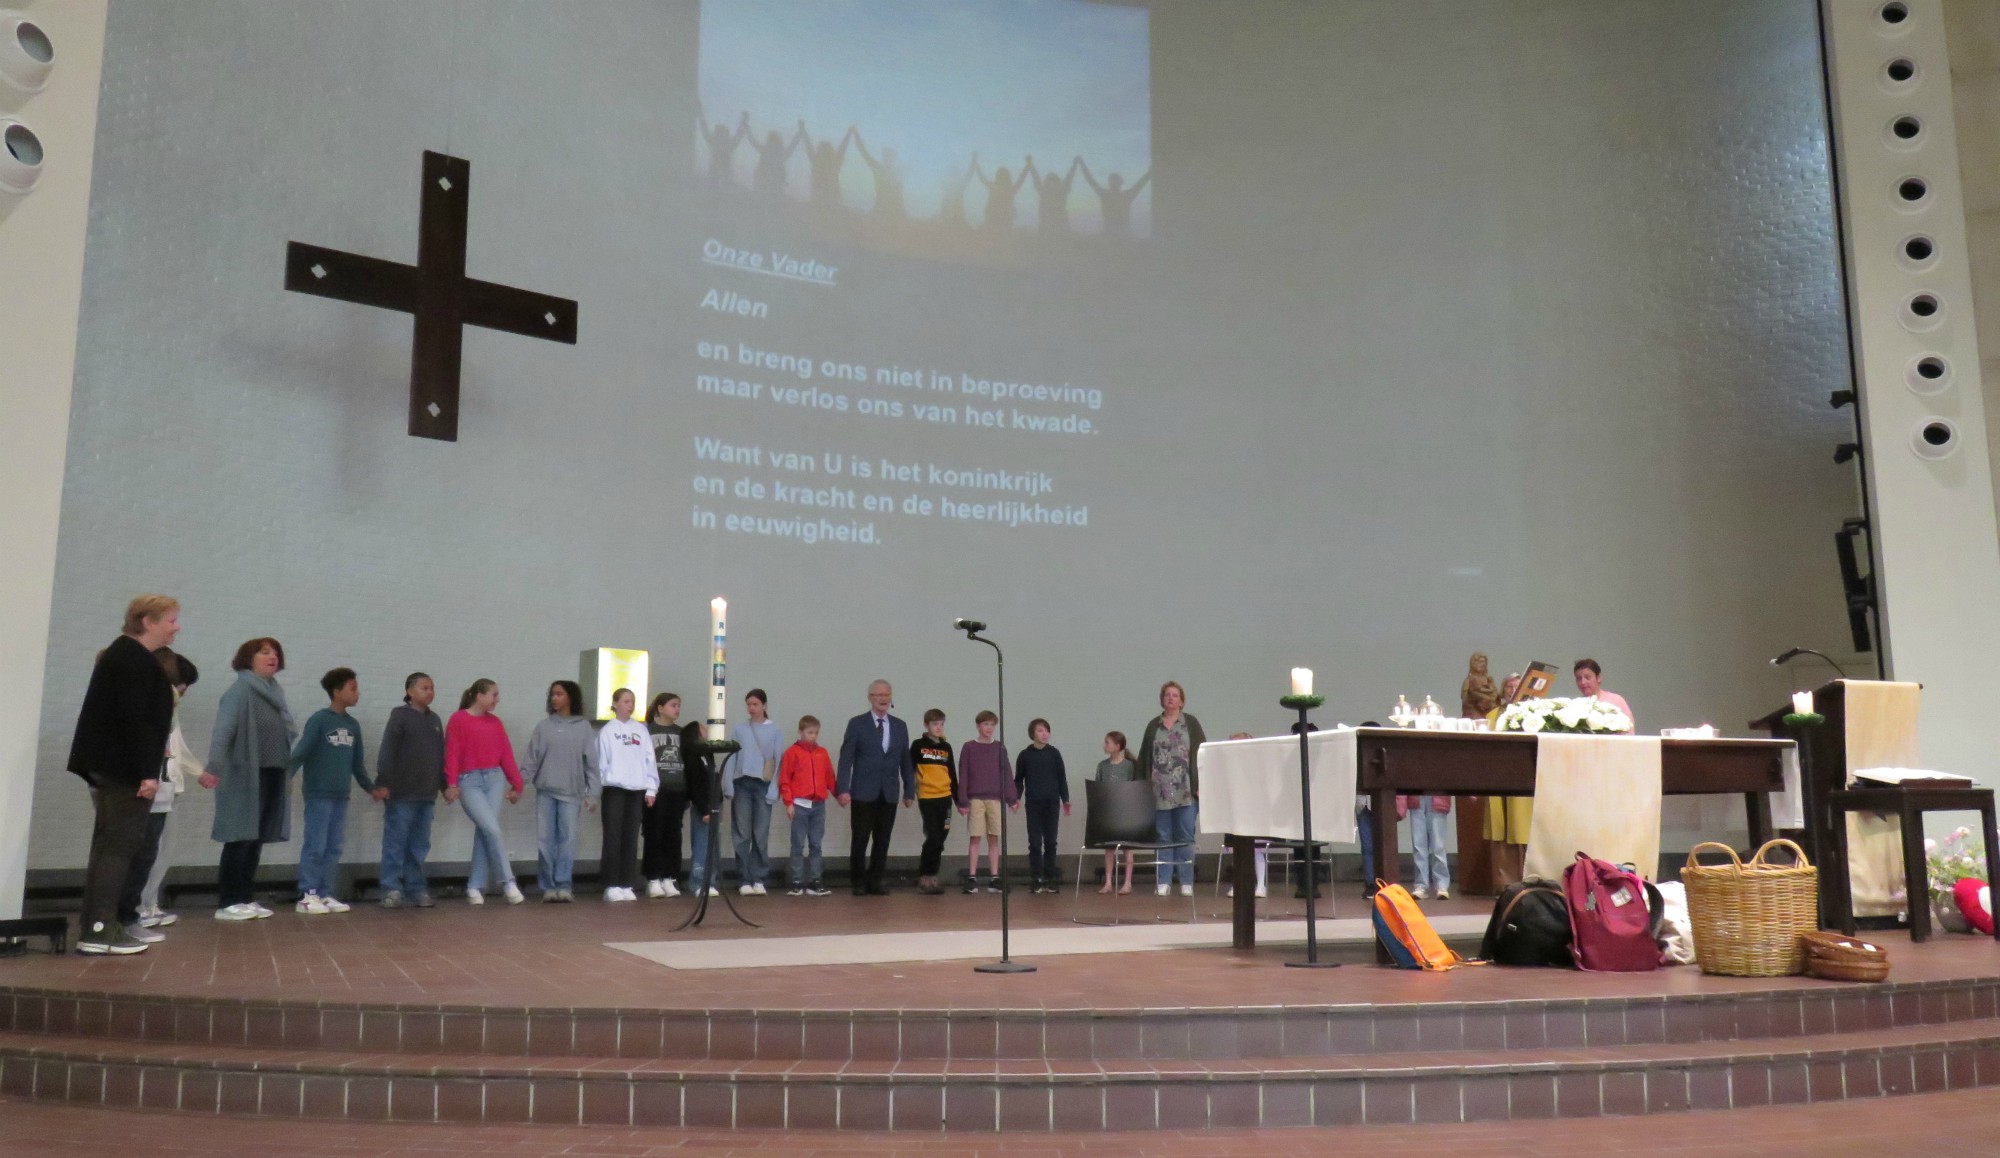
[1530, 926]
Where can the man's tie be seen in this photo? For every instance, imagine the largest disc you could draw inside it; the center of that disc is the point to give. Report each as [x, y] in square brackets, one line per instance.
[882, 732]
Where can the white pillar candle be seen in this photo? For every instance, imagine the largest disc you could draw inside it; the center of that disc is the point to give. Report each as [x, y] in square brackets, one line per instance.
[1302, 681]
[718, 691]
[1802, 703]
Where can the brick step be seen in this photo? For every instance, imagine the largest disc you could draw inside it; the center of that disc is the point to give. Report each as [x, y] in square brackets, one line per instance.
[1796, 1010]
[1004, 1095]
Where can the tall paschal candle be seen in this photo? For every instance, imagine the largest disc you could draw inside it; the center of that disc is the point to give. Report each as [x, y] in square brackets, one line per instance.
[718, 690]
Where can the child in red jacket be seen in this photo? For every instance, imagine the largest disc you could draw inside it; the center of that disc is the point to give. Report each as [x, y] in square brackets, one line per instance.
[805, 780]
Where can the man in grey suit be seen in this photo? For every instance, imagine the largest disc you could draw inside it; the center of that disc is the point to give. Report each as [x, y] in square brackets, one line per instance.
[875, 771]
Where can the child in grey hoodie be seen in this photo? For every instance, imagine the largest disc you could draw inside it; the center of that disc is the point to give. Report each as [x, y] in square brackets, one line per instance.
[562, 765]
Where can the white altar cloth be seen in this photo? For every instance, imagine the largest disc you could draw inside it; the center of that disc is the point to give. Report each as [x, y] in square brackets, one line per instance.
[1251, 787]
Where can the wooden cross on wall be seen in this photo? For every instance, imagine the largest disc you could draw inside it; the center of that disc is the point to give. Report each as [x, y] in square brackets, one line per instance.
[436, 292]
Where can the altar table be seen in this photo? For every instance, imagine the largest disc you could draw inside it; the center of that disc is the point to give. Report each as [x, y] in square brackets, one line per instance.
[1407, 762]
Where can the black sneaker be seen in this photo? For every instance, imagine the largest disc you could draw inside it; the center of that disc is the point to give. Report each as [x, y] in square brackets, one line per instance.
[992, 884]
[971, 886]
[796, 891]
[818, 889]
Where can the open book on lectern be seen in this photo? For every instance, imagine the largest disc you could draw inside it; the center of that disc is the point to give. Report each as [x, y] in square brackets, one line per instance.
[1535, 682]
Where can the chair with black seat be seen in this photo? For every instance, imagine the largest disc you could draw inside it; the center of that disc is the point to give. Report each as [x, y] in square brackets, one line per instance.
[1119, 818]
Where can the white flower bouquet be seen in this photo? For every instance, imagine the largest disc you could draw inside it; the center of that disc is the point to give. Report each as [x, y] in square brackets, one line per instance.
[1581, 715]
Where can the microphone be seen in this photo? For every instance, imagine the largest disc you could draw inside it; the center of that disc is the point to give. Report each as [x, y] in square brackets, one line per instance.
[1792, 653]
[968, 625]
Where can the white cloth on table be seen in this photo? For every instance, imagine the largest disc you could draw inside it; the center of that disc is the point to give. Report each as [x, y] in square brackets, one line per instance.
[1251, 787]
[1598, 795]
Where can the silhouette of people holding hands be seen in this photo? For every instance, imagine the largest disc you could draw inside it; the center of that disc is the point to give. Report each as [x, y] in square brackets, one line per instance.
[722, 141]
[772, 154]
[1116, 198]
[1052, 215]
[889, 178]
[826, 162]
[1000, 191]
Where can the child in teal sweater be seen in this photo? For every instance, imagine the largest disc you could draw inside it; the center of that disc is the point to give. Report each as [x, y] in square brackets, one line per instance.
[329, 752]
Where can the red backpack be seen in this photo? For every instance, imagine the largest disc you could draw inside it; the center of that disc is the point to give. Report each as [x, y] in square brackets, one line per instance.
[1610, 917]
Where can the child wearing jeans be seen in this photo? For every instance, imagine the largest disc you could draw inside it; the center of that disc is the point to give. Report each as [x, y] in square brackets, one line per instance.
[480, 773]
[984, 784]
[411, 766]
[329, 752]
[704, 802]
[1426, 814]
[805, 781]
[1043, 782]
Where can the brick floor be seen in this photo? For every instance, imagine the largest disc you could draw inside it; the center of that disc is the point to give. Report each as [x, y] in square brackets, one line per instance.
[555, 956]
[1924, 1123]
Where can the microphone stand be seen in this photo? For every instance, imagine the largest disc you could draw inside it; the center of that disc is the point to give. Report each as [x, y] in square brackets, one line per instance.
[1006, 964]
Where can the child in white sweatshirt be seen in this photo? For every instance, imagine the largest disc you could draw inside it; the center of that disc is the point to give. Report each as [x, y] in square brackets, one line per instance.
[631, 781]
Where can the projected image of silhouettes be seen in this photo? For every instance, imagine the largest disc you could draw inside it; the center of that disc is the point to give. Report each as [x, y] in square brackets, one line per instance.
[943, 126]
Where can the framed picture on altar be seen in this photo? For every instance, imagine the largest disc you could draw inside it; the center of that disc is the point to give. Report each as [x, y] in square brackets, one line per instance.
[1535, 682]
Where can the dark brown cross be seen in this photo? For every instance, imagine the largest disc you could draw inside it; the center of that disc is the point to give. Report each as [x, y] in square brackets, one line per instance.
[436, 291]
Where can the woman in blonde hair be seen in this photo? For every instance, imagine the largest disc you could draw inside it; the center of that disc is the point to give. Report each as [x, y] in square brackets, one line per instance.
[477, 755]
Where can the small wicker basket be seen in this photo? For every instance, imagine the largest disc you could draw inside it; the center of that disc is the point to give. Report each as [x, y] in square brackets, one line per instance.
[1838, 957]
[1748, 918]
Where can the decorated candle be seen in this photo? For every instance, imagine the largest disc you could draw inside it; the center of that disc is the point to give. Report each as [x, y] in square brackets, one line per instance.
[1302, 681]
[718, 691]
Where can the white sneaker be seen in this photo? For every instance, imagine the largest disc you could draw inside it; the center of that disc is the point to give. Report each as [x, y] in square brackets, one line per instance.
[157, 918]
[656, 889]
[1420, 893]
[474, 897]
[1187, 890]
[611, 893]
[1165, 890]
[1263, 891]
[260, 910]
[746, 890]
[513, 893]
[335, 904]
[713, 891]
[310, 903]
[1444, 894]
[143, 935]
[237, 913]
[669, 889]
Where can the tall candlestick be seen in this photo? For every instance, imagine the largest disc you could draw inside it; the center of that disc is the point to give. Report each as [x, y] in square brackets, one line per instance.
[718, 689]
[1302, 681]
[1802, 704]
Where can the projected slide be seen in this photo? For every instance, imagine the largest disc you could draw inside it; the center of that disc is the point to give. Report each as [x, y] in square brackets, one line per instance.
[884, 189]
[929, 116]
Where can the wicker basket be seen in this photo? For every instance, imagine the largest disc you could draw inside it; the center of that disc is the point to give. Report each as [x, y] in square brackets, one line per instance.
[1748, 918]
[1838, 957]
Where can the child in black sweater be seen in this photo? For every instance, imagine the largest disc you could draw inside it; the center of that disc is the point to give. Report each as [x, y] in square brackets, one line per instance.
[1043, 784]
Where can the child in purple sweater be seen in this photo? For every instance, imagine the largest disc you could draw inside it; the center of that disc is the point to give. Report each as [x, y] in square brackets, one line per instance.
[985, 781]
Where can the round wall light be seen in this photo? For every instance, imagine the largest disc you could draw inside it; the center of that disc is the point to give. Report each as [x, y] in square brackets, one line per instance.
[26, 52]
[1934, 438]
[20, 157]
[1927, 374]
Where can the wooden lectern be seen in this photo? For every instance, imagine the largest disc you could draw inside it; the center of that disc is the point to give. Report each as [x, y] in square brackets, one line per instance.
[1822, 770]
[1824, 767]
